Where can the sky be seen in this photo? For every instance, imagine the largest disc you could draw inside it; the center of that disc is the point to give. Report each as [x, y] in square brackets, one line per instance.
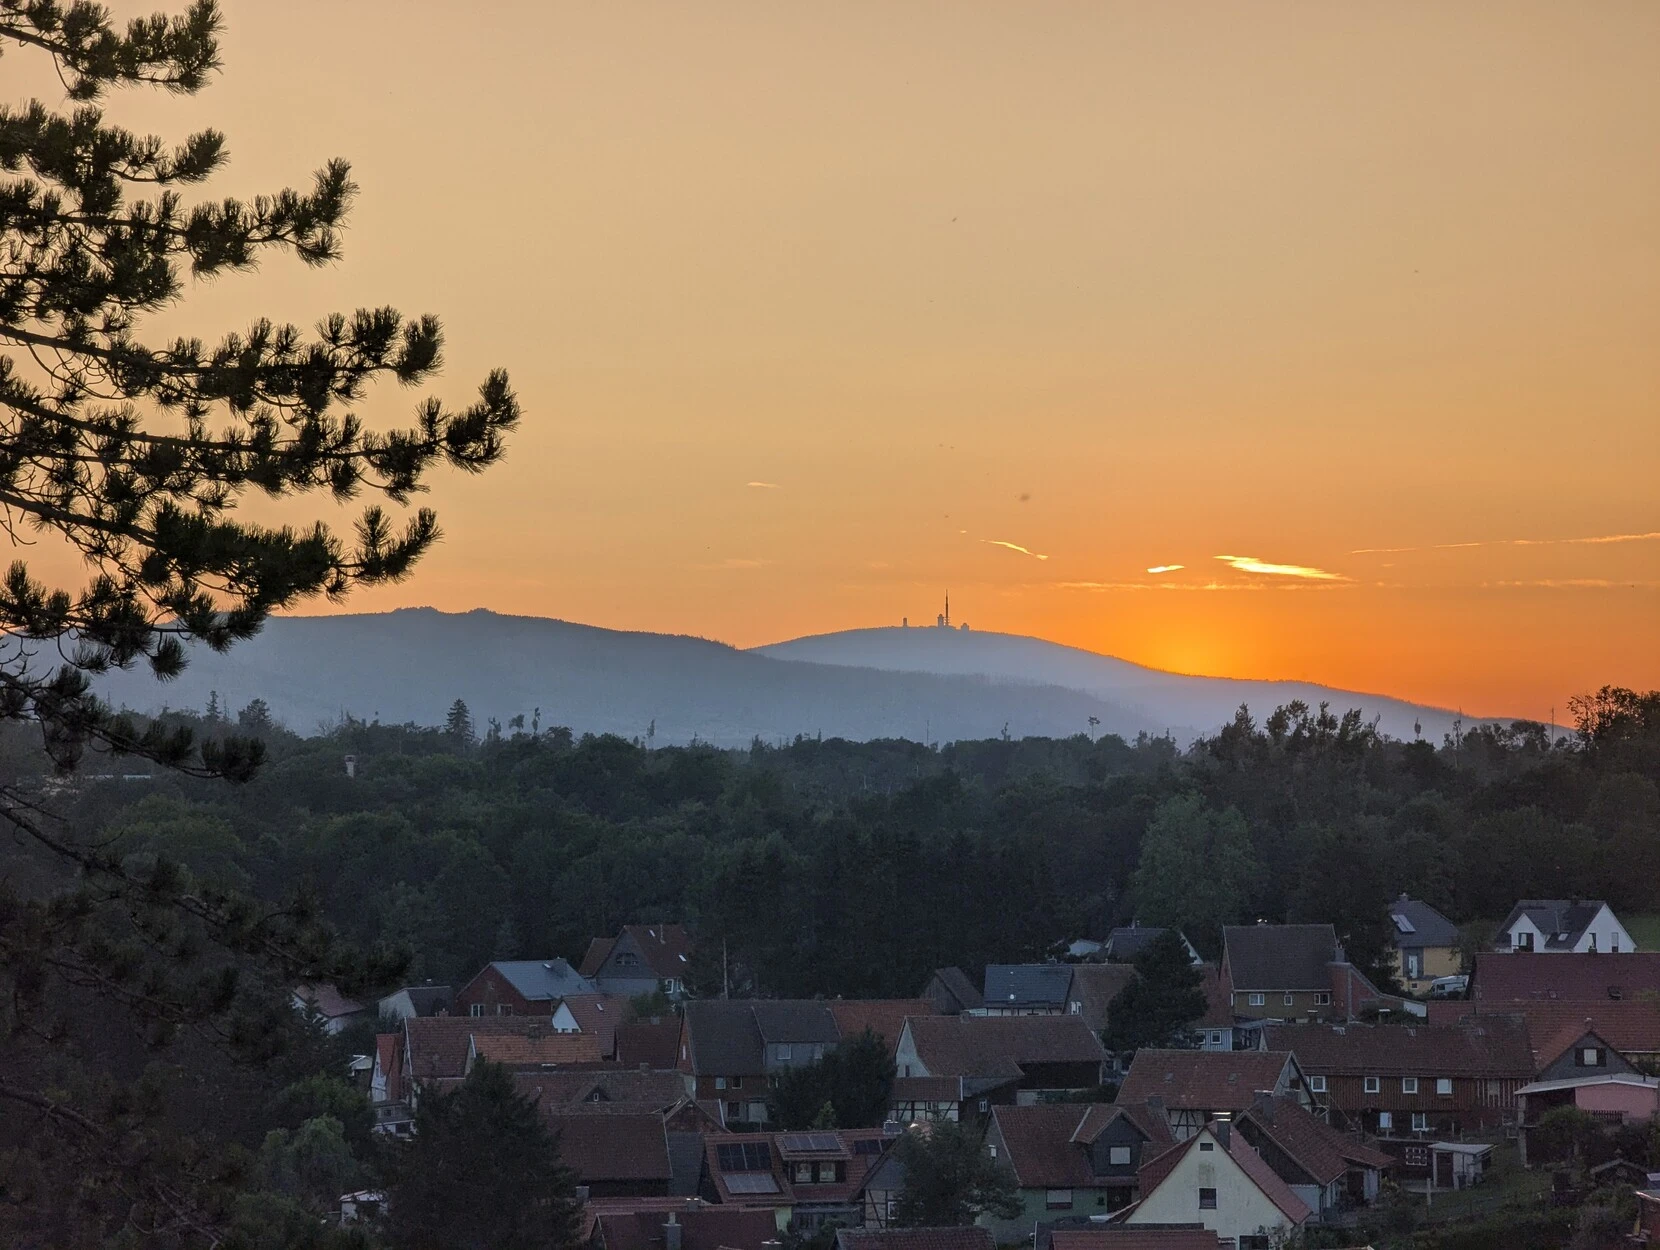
[1274, 340]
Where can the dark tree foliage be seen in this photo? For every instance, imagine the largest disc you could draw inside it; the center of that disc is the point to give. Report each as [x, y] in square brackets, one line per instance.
[950, 1180]
[482, 1173]
[138, 455]
[1157, 1008]
[854, 1080]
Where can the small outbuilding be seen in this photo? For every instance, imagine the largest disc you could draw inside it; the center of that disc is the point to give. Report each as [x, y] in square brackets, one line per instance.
[1458, 1165]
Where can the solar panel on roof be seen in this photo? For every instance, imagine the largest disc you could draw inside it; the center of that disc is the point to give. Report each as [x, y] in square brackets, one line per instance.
[743, 1157]
[867, 1146]
[751, 1183]
[795, 1143]
[1402, 923]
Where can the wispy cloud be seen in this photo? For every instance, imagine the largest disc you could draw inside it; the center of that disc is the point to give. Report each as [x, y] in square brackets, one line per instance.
[1594, 540]
[1250, 564]
[763, 485]
[1025, 551]
[1166, 568]
[1572, 583]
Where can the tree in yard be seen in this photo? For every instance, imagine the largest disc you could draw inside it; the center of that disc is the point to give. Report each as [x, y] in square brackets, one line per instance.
[482, 1173]
[853, 1081]
[1196, 867]
[1157, 1007]
[950, 1180]
[137, 456]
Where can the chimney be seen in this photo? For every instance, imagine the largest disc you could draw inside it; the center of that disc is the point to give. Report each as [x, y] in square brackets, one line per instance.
[1222, 1131]
[671, 1233]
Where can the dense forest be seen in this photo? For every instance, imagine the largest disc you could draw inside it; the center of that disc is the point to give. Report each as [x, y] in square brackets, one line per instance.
[833, 867]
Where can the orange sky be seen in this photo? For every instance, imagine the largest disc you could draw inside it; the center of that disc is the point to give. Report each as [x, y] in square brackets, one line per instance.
[1125, 285]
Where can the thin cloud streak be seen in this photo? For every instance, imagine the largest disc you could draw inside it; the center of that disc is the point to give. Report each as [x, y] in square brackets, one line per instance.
[763, 485]
[1226, 587]
[731, 562]
[1166, 568]
[1595, 540]
[1250, 564]
[1025, 551]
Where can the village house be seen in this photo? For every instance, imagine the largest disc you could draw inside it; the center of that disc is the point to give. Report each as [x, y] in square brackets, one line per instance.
[1002, 1059]
[1424, 943]
[1072, 1158]
[1499, 981]
[884, 1017]
[438, 1049]
[1195, 1087]
[625, 1154]
[596, 1015]
[642, 959]
[520, 987]
[418, 1000]
[952, 992]
[1297, 972]
[690, 1225]
[388, 1096]
[536, 1049]
[327, 1005]
[729, 1047]
[973, 1237]
[1124, 944]
[1025, 990]
[1563, 926]
[1413, 1080]
[1194, 1236]
[1329, 1170]
[1215, 1029]
[1621, 1098]
[1216, 1178]
[652, 1042]
[806, 1179]
[1093, 988]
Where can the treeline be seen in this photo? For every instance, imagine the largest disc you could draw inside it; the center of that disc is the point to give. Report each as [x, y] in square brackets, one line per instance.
[832, 867]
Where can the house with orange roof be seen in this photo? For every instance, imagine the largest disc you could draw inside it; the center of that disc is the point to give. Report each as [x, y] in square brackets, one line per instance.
[1216, 1178]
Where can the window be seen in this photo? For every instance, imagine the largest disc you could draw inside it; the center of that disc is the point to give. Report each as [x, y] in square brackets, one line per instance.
[1316, 1084]
[1373, 1085]
[1386, 1121]
[1207, 1200]
[734, 1111]
[1613, 943]
[783, 1052]
[1058, 1200]
[1257, 1000]
[1215, 1039]
[1593, 946]
[1420, 1121]
[1590, 1057]
[1409, 1085]
[1119, 1156]
[758, 1112]
[991, 1149]
[1414, 965]
[1205, 1145]
[830, 1171]
[804, 1174]
[1443, 1086]
[1075, 1008]
[1523, 941]
[1290, 999]
[737, 1082]
[1322, 999]
[720, 1082]
[477, 1009]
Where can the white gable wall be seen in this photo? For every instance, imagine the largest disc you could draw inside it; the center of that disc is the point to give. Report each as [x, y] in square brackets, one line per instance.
[1609, 935]
[905, 1060]
[1242, 1210]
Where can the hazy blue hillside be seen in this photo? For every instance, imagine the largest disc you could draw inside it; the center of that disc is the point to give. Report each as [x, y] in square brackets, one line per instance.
[410, 665]
[1162, 699]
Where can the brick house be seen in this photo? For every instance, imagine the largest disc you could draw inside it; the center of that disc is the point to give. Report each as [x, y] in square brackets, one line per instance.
[730, 1047]
[1297, 972]
[520, 987]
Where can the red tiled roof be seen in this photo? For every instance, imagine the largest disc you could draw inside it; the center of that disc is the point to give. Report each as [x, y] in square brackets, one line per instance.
[327, 1001]
[1218, 999]
[1499, 979]
[1203, 1080]
[1150, 1122]
[884, 1017]
[997, 1046]
[927, 1089]
[599, 1015]
[1630, 1026]
[1094, 986]
[702, 1228]
[971, 1238]
[1317, 1148]
[1130, 1237]
[1041, 1149]
[613, 1147]
[1278, 1192]
[651, 1043]
[1493, 1047]
[518, 1050]
[568, 1090]
[438, 1045]
[599, 950]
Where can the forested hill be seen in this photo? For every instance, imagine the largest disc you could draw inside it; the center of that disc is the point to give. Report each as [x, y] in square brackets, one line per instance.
[1157, 697]
[410, 665]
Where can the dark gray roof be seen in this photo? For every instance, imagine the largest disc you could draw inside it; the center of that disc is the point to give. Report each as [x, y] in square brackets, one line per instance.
[538, 979]
[429, 1000]
[728, 1037]
[685, 1163]
[794, 1020]
[957, 984]
[1568, 918]
[1416, 923]
[1279, 956]
[1027, 985]
[1126, 943]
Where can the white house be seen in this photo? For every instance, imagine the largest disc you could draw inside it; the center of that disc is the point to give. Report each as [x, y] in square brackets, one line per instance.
[1216, 1179]
[1559, 926]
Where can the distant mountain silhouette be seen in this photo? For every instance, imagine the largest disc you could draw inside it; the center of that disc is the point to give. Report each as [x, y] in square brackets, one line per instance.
[409, 665]
[1152, 699]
